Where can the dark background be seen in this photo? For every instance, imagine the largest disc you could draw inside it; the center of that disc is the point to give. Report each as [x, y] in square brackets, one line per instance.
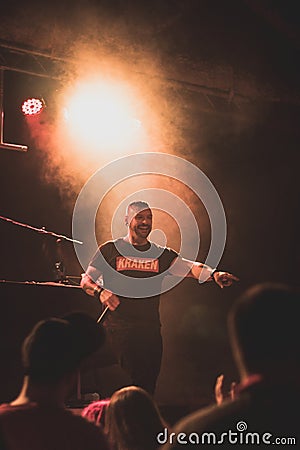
[235, 68]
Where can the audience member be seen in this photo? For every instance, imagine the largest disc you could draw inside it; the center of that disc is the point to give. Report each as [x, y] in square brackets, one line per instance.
[95, 412]
[37, 418]
[220, 396]
[265, 336]
[133, 420]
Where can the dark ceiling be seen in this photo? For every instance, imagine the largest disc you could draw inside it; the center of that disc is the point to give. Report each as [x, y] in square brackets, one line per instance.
[240, 48]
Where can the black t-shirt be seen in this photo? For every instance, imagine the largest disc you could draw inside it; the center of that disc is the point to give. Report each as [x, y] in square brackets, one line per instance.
[134, 262]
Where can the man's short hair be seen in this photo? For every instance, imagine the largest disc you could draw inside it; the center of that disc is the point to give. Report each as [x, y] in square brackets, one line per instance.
[138, 205]
[56, 346]
[264, 326]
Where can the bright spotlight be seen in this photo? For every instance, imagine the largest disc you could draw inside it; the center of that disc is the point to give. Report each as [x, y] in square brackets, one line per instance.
[32, 106]
[103, 113]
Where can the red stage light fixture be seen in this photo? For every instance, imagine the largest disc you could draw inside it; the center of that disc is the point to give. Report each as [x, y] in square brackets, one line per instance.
[32, 106]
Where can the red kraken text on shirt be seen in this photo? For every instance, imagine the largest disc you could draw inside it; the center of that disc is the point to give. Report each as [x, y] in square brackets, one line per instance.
[141, 264]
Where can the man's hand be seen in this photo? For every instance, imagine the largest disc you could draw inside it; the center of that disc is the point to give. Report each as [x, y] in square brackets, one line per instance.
[224, 279]
[109, 299]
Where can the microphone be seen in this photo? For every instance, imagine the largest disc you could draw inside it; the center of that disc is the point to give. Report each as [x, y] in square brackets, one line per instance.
[103, 314]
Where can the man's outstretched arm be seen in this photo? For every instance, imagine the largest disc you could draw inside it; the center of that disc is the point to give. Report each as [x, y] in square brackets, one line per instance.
[202, 272]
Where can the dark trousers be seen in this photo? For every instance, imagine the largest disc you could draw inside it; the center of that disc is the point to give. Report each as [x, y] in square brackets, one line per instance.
[139, 352]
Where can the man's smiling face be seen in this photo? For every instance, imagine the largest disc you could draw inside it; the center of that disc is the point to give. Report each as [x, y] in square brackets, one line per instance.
[139, 223]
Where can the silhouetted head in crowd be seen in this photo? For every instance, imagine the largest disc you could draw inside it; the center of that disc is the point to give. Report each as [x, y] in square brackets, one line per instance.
[36, 418]
[265, 332]
[133, 420]
[57, 346]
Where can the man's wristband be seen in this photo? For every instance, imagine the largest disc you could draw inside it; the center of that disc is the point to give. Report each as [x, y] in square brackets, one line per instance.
[97, 292]
[213, 272]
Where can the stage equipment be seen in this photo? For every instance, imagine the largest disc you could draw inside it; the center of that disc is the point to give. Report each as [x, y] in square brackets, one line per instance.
[5, 145]
[32, 106]
[59, 267]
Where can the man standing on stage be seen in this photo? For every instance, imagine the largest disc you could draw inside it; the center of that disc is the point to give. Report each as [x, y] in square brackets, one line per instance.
[133, 327]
